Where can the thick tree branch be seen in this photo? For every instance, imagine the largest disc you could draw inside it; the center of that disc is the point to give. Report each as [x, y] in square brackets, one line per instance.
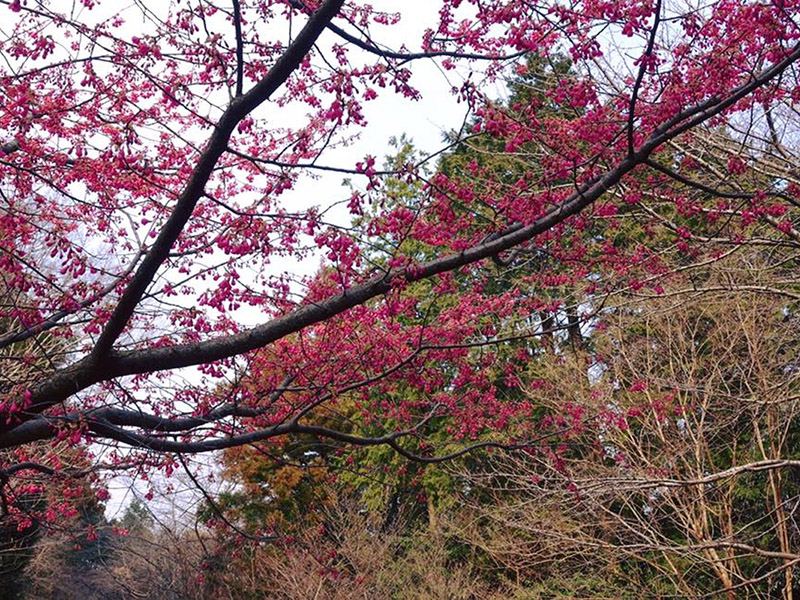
[239, 108]
[237, 24]
[695, 115]
[644, 65]
[8, 148]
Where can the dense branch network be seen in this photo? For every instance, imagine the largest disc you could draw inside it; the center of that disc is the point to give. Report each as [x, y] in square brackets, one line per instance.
[575, 148]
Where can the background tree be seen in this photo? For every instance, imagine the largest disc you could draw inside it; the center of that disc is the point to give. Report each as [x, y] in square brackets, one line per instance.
[675, 474]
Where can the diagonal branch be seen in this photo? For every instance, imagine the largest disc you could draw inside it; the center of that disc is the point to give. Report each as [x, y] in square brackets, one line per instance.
[699, 113]
[369, 46]
[239, 108]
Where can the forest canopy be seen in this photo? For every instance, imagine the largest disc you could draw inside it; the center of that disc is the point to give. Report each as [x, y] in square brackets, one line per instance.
[559, 344]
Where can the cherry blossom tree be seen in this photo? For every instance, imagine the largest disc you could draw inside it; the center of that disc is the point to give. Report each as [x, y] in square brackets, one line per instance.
[148, 188]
